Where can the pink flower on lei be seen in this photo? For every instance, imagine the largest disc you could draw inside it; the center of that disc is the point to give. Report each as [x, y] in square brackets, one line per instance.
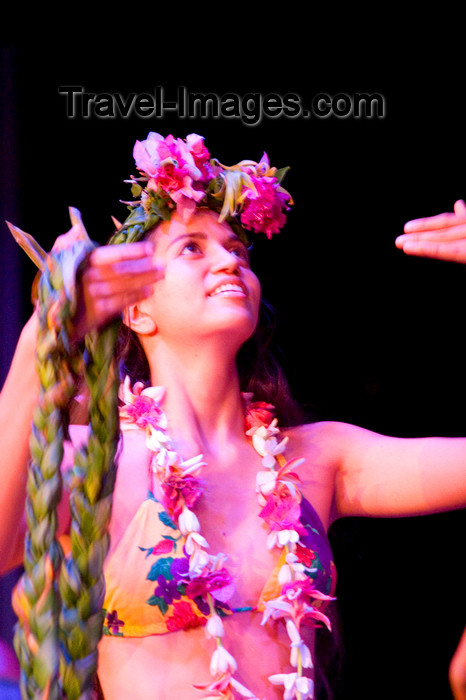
[179, 490]
[296, 603]
[176, 167]
[283, 513]
[141, 406]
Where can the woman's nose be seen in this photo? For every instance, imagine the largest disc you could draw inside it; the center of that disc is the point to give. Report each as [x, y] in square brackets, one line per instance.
[227, 261]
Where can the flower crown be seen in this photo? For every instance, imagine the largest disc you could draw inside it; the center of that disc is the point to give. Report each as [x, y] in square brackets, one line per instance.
[179, 175]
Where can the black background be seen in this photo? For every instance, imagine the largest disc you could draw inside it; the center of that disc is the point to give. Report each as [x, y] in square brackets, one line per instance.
[366, 334]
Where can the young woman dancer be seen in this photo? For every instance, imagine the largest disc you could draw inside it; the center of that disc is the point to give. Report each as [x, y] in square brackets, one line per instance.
[218, 567]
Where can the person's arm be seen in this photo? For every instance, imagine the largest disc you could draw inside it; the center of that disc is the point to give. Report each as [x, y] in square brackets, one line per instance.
[115, 276]
[384, 476]
[17, 399]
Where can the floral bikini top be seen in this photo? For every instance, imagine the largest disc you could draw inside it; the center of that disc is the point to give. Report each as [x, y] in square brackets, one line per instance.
[160, 577]
[148, 590]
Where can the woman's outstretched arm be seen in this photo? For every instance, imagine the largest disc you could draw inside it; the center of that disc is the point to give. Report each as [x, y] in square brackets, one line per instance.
[381, 476]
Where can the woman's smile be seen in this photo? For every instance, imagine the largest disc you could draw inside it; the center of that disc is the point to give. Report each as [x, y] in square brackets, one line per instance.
[230, 289]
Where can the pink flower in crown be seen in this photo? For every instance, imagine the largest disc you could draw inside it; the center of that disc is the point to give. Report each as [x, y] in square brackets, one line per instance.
[201, 157]
[263, 209]
[171, 167]
[141, 406]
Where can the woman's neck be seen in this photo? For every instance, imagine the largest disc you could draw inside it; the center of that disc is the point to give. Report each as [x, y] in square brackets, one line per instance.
[203, 402]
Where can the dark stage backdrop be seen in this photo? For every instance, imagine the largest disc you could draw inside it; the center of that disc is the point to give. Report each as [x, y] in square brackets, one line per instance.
[367, 335]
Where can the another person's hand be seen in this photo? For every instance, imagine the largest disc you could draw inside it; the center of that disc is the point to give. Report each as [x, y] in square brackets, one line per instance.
[442, 237]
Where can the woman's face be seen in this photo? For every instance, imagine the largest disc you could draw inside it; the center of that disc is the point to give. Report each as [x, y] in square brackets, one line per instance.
[206, 285]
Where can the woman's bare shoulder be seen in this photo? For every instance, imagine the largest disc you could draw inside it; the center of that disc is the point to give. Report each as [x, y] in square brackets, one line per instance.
[322, 441]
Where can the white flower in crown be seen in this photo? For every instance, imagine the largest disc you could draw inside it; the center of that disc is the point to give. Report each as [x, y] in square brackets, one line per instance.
[293, 684]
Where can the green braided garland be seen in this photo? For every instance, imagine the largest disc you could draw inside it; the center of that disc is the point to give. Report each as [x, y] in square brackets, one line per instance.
[82, 584]
[59, 627]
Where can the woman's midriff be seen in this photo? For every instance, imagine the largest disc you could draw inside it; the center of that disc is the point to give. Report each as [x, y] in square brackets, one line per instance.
[167, 666]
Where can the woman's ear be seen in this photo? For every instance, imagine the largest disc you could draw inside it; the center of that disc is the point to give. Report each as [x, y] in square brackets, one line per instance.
[139, 320]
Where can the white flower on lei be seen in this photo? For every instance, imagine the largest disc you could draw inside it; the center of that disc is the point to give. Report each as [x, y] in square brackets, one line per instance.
[221, 662]
[165, 460]
[198, 558]
[188, 522]
[214, 627]
[282, 538]
[293, 684]
[159, 443]
[265, 485]
[299, 651]
[292, 570]
[266, 444]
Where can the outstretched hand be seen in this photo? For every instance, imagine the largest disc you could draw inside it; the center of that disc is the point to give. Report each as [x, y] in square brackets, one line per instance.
[442, 237]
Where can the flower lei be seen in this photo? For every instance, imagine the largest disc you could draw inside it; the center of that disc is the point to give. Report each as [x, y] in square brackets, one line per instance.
[279, 499]
[178, 175]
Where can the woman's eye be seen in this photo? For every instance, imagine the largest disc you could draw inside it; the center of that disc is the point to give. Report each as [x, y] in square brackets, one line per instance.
[241, 252]
[190, 247]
